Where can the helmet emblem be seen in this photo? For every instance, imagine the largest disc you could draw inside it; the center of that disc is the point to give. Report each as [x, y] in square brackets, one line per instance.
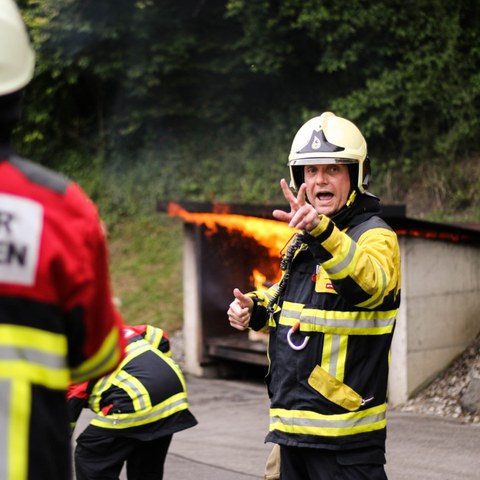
[316, 143]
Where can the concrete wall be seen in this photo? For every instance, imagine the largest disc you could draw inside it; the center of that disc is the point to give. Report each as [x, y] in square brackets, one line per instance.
[438, 318]
[440, 311]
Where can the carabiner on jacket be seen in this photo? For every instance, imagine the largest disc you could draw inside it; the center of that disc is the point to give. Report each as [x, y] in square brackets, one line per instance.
[292, 330]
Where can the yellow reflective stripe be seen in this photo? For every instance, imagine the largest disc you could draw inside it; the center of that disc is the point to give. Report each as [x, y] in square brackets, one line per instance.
[153, 335]
[171, 363]
[264, 296]
[135, 390]
[302, 422]
[326, 351]
[371, 322]
[341, 263]
[381, 283]
[172, 405]
[104, 360]
[334, 354]
[33, 338]
[19, 431]
[15, 397]
[132, 350]
[33, 355]
[341, 357]
[55, 378]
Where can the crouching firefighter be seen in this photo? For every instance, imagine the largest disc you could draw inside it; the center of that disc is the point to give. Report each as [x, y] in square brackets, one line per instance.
[138, 408]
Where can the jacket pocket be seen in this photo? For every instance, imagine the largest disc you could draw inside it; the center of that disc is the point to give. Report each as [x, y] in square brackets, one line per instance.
[334, 390]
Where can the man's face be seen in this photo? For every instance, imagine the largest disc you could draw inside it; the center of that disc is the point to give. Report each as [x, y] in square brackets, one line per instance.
[328, 187]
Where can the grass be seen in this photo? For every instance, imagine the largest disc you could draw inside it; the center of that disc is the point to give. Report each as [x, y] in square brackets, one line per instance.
[146, 270]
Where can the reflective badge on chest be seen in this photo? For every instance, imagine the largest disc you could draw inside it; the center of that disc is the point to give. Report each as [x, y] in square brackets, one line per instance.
[322, 283]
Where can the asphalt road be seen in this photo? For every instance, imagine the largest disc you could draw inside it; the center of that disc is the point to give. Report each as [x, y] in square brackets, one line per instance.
[228, 443]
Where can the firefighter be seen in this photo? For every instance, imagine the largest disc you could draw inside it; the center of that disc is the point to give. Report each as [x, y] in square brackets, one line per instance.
[138, 408]
[57, 320]
[332, 315]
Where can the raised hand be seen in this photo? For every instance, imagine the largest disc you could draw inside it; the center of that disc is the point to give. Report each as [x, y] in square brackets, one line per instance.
[302, 215]
[240, 310]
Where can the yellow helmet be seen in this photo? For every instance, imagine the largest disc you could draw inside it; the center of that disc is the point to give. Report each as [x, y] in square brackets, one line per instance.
[329, 139]
[17, 59]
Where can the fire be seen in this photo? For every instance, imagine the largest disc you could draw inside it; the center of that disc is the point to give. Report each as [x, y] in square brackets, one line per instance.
[259, 280]
[272, 234]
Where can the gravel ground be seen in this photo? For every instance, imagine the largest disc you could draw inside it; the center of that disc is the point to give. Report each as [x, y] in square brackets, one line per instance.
[442, 397]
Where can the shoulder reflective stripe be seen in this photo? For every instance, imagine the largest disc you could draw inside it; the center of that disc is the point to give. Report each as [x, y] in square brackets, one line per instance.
[154, 335]
[132, 350]
[302, 422]
[134, 389]
[341, 261]
[104, 360]
[163, 410]
[14, 429]
[173, 365]
[371, 322]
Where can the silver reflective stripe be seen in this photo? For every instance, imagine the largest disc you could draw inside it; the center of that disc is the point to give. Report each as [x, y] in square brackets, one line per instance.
[49, 360]
[345, 262]
[153, 334]
[5, 397]
[332, 370]
[131, 388]
[132, 350]
[128, 418]
[318, 320]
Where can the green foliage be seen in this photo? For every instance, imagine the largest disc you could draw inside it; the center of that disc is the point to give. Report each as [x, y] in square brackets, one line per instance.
[405, 71]
[194, 100]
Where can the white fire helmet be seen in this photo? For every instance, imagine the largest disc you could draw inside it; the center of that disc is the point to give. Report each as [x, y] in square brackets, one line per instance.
[325, 140]
[17, 59]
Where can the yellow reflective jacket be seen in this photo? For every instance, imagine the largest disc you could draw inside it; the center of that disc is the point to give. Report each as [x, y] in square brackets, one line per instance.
[144, 397]
[330, 337]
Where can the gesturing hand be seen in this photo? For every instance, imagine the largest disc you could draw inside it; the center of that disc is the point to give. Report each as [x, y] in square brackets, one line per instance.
[302, 215]
[240, 310]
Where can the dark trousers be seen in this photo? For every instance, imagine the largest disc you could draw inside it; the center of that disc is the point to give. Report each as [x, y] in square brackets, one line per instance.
[316, 464]
[101, 457]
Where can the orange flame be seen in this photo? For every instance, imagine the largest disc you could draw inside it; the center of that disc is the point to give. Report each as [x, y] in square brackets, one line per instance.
[272, 234]
[258, 279]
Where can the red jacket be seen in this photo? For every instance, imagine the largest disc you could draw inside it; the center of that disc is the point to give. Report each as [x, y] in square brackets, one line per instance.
[57, 320]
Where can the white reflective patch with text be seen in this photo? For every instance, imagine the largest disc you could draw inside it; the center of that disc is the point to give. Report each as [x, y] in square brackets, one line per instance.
[21, 223]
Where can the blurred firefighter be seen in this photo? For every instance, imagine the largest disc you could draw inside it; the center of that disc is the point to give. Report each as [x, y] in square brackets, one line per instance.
[57, 320]
[138, 408]
[331, 317]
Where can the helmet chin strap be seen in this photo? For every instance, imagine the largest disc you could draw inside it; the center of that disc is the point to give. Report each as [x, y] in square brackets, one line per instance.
[351, 198]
